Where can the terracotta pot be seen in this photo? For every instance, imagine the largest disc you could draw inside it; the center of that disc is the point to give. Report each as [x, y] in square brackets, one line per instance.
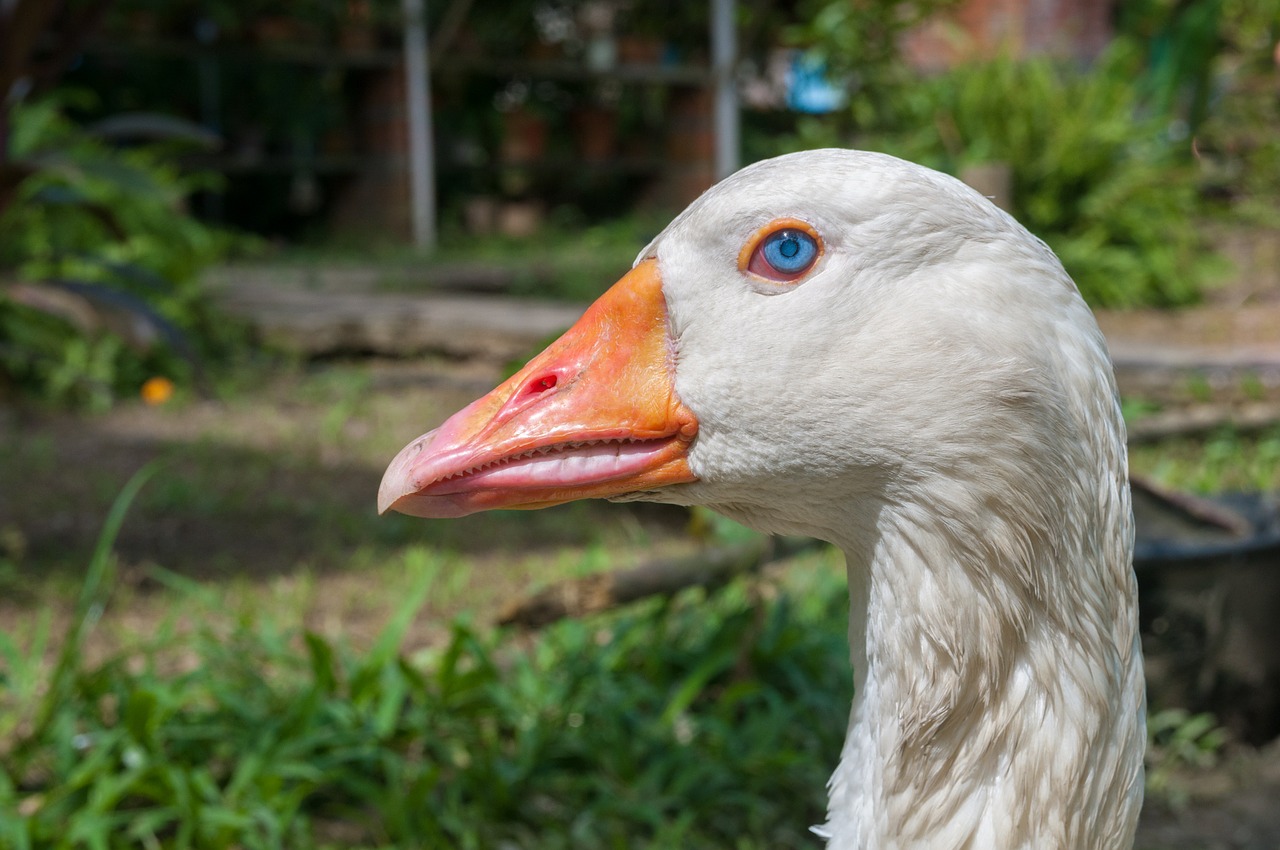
[595, 132]
[524, 136]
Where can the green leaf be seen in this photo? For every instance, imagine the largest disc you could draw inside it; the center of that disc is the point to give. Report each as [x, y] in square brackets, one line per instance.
[320, 654]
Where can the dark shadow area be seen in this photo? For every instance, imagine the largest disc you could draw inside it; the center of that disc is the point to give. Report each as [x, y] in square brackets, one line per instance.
[1209, 584]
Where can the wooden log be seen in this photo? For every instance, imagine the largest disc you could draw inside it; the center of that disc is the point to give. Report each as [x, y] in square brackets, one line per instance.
[1161, 512]
[1201, 419]
[1169, 511]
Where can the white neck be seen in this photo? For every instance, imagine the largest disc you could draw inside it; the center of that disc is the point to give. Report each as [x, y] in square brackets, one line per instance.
[990, 712]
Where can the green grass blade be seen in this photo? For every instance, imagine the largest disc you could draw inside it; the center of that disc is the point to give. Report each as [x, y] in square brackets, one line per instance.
[89, 604]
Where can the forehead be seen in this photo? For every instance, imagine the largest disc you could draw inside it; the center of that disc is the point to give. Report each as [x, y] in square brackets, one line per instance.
[835, 190]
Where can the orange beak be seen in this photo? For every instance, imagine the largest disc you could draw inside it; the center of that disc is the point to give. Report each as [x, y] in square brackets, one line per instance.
[595, 415]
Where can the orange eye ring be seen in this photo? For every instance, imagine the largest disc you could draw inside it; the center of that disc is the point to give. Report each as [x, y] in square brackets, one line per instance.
[783, 251]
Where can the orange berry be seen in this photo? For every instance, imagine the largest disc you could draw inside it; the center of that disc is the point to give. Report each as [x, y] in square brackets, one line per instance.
[157, 390]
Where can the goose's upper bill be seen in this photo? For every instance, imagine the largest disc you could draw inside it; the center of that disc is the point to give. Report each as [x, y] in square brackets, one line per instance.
[848, 346]
[595, 415]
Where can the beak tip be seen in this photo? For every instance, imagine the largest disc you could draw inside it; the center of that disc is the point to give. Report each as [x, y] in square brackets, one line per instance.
[387, 495]
[398, 480]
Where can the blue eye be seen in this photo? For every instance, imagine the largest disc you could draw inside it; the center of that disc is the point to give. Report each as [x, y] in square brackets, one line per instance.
[784, 254]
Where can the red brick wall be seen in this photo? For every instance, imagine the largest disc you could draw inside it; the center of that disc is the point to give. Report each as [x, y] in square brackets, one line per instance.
[983, 28]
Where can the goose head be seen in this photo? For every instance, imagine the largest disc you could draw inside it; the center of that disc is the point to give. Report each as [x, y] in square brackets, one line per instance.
[844, 345]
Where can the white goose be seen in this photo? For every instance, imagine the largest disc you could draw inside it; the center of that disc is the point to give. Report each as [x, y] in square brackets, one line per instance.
[848, 346]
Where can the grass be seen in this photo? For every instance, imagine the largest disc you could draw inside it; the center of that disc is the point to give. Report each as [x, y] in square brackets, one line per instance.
[1226, 460]
[694, 723]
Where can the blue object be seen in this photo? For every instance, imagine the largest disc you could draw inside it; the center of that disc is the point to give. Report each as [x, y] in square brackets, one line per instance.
[809, 90]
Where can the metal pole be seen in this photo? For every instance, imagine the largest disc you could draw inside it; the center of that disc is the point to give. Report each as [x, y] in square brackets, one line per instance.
[418, 102]
[724, 50]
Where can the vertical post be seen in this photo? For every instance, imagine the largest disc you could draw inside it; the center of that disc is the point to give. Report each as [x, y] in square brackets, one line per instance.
[418, 101]
[724, 50]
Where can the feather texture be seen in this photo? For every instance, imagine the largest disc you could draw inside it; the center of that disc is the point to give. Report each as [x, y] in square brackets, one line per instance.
[935, 399]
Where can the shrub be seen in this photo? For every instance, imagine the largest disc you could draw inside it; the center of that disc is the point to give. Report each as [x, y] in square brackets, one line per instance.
[1107, 186]
[1107, 183]
[99, 263]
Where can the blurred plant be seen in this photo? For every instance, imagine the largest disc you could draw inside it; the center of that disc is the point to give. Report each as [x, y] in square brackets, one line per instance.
[99, 261]
[1100, 158]
[1238, 142]
[1182, 42]
[1106, 187]
[1224, 461]
[98, 258]
[1178, 740]
[861, 43]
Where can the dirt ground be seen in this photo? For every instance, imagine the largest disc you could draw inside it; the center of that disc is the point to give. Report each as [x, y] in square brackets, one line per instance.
[267, 496]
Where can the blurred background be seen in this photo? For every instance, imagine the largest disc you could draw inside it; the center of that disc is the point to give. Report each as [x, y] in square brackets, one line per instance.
[250, 249]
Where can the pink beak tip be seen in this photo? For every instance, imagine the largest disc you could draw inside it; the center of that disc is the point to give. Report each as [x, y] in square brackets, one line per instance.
[398, 481]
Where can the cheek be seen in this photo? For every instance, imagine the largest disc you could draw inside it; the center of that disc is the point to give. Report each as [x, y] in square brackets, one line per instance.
[761, 368]
[746, 362]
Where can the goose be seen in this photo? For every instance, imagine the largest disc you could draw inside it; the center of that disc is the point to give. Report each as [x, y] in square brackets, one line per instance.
[848, 346]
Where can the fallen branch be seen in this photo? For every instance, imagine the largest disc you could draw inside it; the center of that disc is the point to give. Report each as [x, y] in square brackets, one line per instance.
[1170, 510]
[665, 577]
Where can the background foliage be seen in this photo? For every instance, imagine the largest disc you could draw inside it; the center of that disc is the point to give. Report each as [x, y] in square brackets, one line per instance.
[1117, 164]
[102, 260]
[1103, 183]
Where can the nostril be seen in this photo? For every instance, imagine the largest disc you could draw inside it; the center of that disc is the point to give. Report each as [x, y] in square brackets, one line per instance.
[540, 385]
